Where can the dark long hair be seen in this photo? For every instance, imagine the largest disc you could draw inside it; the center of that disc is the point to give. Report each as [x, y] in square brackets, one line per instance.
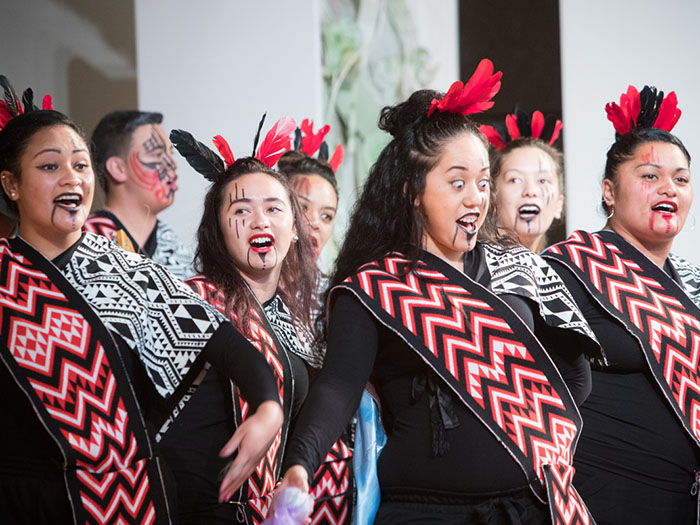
[626, 145]
[384, 218]
[212, 259]
[18, 132]
[297, 162]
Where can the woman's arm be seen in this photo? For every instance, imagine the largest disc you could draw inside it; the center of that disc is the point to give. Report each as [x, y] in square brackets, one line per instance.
[335, 395]
[234, 357]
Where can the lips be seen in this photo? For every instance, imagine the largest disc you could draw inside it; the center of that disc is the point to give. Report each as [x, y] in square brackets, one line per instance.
[70, 201]
[261, 243]
[468, 222]
[665, 207]
[314, 243]
[528, 211]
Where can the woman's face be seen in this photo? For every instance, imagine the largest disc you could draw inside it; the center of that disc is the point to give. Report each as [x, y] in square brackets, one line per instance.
[455, 199]
[528, 195]
[651, 195]
[319, 202]
[55, 189]
[257, 220]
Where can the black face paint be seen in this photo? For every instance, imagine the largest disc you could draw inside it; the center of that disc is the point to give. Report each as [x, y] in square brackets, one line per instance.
[237, 234]
[235, 185]
[454, 238]
[53, 212]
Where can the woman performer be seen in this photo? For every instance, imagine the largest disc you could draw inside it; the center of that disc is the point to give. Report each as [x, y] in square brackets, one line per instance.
[258, 271]
[638, 458]
[413, 305]
[528, 175]
[92, 339]
[313, 181]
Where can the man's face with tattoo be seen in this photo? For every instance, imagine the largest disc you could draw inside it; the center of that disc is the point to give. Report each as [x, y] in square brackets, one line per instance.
[257, 221]
[152, 167]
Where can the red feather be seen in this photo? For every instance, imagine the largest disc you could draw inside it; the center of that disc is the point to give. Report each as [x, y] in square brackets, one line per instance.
[555, 134]
[537, 124]
[5, 115]
[310, 142]
[624, 116]
[47, 103]
[337, 158]
[512, 126]
[276, 142]
[633, 103]
[668, 112]
[474, 96]
[493, 136]
[224, 149]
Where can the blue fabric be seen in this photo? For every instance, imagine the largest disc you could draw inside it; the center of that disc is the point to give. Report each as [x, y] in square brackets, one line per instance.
[369, 441]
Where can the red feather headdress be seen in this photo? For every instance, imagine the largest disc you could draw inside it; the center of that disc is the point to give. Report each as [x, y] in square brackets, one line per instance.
[11, 106]
[474, 96]
[645, 109]
[309, 142]
[520, 124]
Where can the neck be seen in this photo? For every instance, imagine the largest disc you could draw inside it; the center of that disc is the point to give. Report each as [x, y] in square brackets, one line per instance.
[657, 252]
[138, 219]
[50, 246]
[535, 245]
[263, 284]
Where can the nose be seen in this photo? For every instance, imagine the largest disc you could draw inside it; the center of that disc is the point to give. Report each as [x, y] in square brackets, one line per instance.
[473, 196]
[313, 221]
[259, 221]
[667, 187]
[529, 188]
[71, 177]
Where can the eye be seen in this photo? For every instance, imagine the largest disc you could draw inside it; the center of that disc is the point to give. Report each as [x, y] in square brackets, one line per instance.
[49, 166]
[327, 217]
[484, 184]
[545, 181]
[274, 209]
[649, 176]
[304, 208]
[240, 211]
[515, 180]
[683, 179]
[81, 166]
[457, 184]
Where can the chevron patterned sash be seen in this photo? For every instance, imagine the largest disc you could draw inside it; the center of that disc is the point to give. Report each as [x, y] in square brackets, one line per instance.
[256, 493]
[654, 309]
[490, 360]
[69, 367]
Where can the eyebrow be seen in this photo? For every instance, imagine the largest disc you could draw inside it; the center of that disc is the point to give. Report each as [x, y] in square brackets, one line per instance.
[246, 199]
[54, 150]
[658, 166]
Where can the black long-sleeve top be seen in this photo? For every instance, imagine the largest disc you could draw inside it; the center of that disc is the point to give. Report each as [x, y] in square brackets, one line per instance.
[360, 348]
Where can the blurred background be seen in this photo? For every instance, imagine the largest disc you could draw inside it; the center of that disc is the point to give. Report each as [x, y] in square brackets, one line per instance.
[215, 66]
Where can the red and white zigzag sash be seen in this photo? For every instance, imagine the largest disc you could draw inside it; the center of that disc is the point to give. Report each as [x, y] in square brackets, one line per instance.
[69, 367]
[256, 493]
[654, 309]
[490, 360]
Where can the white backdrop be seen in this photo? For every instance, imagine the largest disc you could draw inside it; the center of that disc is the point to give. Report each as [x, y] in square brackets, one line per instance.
[605, 46]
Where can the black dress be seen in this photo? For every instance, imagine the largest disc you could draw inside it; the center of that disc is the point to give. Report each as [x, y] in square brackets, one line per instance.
[474, 481]
[634, 462]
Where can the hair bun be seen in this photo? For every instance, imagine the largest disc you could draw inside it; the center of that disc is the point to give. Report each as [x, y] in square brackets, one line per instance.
[397, 119]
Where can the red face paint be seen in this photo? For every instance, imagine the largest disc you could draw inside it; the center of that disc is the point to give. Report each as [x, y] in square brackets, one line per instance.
[651, 157]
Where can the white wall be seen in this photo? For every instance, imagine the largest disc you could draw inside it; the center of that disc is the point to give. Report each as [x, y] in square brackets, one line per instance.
[605, 46]
[214, 66]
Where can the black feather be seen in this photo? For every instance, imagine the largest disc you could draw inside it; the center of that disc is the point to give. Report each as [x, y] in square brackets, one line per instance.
[28, 100]
[297, 139]
[523, 119]
[650, 103]
[202, 159]
[323, 151]
[10, 96]
[257, 135]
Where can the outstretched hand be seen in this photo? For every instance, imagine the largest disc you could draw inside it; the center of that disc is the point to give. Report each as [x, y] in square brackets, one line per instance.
[252, 439]
[296, 476]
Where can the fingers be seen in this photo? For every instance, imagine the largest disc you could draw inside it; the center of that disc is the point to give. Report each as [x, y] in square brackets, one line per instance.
[232, 445]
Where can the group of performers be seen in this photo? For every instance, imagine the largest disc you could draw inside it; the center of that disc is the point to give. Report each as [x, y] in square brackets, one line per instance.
[144, 381]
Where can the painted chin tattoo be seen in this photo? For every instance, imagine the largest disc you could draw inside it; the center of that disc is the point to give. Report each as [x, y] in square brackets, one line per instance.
[268, 259]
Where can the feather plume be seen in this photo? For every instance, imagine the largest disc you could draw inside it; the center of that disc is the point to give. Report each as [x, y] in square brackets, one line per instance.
[323, 151]
[224, 149]
[257, 134]
[297, 139]
[624, 116]
[537, 124]
[474, 96]
[493, 136]
[311, 142]
[512, 127]
[668, 113]
[276, 142]
[200, 157]
[11, 103]
[555, 133]
[28, 100]
[337, 158]
[5, 115]
[47, 102]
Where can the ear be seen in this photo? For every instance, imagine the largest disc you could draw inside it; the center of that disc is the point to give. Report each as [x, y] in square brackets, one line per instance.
[559, 207]
[117, 169]
[10, 185]
[608, 192]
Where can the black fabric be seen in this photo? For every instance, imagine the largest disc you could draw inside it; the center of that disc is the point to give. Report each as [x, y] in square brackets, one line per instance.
[358, 345]
[633, 456]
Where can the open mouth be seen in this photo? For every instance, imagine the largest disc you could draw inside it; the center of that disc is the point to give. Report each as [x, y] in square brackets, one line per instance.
[665, 207]
[69, 201]
[468, 222]
[314, 243]
[528, 212]
[261, 243]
